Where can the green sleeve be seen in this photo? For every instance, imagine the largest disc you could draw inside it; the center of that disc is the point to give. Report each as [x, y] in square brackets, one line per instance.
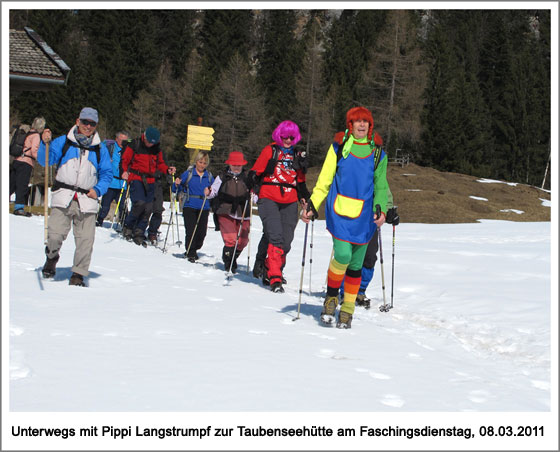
[381, 186]
[325, 179]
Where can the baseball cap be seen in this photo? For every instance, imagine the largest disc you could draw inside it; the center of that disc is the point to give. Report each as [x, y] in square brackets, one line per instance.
[89, 113]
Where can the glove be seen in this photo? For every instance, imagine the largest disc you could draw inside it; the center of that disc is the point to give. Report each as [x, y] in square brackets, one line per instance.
[300, 161]
[303, 192]
[311, 208]
[251, 180]
[392, 216]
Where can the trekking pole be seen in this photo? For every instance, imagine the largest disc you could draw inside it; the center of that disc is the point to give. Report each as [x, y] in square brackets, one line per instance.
[196, 225]
[393, 268]
[384, 307]
[46, 197]
[302, 270]
[393, 263]
[250, 224]
[311, 255]
[167, 233]
[179, 242]
[229, 274]
[118, 204]
[172, 208]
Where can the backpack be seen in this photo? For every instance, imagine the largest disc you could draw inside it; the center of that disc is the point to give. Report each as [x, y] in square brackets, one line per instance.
[18, 140]
[69, 143]
[190, 169]
[57, 184]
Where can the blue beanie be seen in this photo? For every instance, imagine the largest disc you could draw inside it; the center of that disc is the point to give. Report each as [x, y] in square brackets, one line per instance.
[152, 135]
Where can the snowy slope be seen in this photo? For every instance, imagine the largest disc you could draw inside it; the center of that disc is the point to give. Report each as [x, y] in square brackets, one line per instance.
[470, 330]
[471, 325]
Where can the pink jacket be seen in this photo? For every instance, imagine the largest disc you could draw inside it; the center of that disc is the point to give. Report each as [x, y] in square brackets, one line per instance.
[30, 146]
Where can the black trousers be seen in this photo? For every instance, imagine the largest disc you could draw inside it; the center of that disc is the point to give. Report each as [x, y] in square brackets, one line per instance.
[371, 252]
[20, 173]
[190, 216]
[157, 210]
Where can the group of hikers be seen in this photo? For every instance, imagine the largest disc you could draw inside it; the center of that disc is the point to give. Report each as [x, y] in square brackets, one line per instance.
[353, 180]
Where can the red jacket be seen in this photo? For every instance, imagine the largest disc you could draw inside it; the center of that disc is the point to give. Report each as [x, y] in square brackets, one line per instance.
[277, 186]
[139, 160]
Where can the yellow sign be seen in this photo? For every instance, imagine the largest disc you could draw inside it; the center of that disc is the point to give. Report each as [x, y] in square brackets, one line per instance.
[199, 137]
[200, 148]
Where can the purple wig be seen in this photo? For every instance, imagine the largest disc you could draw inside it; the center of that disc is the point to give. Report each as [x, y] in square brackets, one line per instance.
[286, 129]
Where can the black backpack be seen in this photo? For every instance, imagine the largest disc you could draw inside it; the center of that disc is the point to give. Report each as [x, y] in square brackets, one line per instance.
[18, 140]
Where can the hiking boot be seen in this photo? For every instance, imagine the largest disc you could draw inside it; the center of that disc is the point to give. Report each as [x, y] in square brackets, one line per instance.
[344, 320]
[22, 213]
[152, 238]
[277, 287]
[139, 240]
[139, 237]
[76, 280]
[49, 269]
[258, 269]
[362, 300]
[329, 309]
[127, 233]
[99, 223]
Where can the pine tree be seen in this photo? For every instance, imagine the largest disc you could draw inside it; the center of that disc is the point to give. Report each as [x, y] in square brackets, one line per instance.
[223, 33]
[350, 38]
[392, 87]
[237, 113]
[278, 62]
[312, 112]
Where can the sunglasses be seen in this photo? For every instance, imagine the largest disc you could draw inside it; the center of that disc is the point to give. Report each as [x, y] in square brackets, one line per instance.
[288, 138]
[87, 122]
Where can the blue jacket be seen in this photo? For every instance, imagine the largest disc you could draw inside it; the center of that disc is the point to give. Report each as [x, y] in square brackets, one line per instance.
[195, 189]
[75, 170]
[116, 183]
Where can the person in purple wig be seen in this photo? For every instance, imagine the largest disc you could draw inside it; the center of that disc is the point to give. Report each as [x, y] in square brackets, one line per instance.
[278, 176]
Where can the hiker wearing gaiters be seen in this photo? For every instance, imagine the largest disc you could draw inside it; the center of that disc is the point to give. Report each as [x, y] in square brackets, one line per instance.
[196, 207]
[354, 181]
[278, 176]
[232, 208]
[140, 160]
[83, 175]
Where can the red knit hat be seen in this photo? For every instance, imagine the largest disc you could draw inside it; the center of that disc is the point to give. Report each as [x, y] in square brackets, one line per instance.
[357, 113]
[236, 158]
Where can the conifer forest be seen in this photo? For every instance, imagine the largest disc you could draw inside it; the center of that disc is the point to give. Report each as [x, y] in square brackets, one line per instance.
[465, 91]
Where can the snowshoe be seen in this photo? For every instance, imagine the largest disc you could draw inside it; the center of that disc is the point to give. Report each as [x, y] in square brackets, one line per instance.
[363, 301]
[344, 320]
[77, 280]
[277, 287]
[329, 309]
